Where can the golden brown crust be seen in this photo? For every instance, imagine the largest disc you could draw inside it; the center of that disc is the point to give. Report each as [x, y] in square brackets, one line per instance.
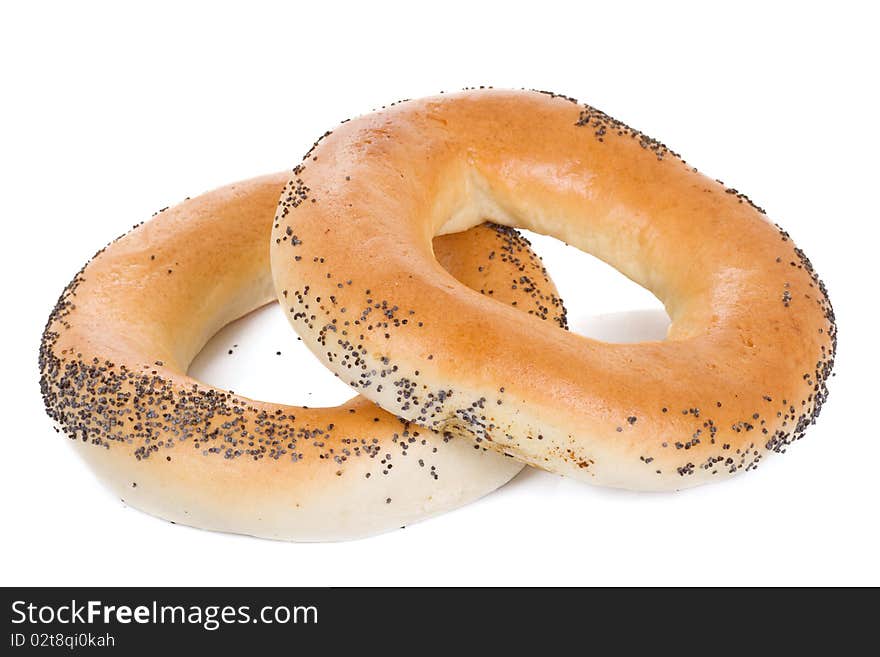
[113, 364]
[752, 339]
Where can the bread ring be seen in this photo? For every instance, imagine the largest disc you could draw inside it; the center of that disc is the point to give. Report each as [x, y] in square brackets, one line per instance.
[114, 357]
[741, 373]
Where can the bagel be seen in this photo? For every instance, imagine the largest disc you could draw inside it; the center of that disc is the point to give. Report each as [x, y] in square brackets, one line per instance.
[741, 373]
[113, 363]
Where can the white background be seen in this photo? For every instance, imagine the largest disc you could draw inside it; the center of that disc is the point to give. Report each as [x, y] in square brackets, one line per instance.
[109, 113]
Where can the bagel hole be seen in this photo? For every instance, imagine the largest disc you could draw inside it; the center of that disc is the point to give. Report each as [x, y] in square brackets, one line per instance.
[602, 303]
[255, 369]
